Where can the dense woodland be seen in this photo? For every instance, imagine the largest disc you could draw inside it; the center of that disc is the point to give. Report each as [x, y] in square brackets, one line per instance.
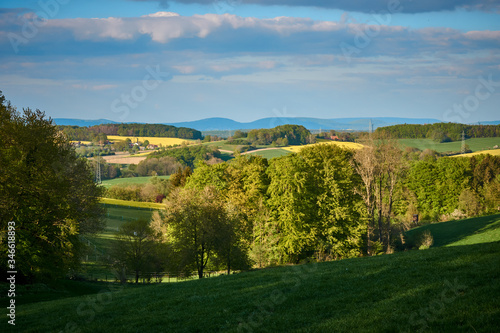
[283, 135]
[440, 132]
[77, 133]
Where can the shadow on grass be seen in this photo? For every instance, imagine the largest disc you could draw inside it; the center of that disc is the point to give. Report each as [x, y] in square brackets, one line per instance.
[446, 233]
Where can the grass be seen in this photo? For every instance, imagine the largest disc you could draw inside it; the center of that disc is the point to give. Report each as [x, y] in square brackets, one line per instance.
[136, 204]
[129, 181]
[439, 290]
[494, 152]
[463, 232]
[442, 289]
[475, 145]
[270, 153]
[350, 145]
[165, 142]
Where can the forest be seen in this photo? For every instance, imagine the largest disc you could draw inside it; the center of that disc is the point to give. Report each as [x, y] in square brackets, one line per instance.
[76, 133]
[440, 132]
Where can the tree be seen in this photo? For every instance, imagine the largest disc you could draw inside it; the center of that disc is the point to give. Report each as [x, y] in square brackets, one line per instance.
[198, 226]
[312, 203]
[47, 191]
[367, 168]
[136, 249]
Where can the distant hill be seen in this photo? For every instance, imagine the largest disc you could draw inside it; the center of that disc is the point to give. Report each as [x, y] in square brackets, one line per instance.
[225, 124]
[82, 122]
[356, 124]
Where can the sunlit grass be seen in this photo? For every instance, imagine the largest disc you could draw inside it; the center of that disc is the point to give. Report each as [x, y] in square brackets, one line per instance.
[350, 145]
[132, 203]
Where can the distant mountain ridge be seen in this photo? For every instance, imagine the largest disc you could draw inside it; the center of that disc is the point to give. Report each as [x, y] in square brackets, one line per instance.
[355, 124]
[225, 124]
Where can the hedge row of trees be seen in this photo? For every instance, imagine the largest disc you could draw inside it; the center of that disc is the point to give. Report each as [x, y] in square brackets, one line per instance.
[440, 132]
[77, 133]
[280, 135]
[188, 156]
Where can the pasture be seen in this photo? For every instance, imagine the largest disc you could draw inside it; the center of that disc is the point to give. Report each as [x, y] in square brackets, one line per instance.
[443, 289]
[349, 145]
[160, 141]
[268, 152]
[475, 144]
[494, 152]
[129, 181]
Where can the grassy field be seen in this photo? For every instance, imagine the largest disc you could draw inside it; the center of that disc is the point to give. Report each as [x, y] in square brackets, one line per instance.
[474, 144]
[452, 288]
[350, 145]
[129, 181]
[269, 153]
[494, 152]
[463, 232]
[165, 142]
[135, 204]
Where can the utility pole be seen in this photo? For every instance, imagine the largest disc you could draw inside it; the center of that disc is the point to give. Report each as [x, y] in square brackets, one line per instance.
[463, 142]
[97, 171]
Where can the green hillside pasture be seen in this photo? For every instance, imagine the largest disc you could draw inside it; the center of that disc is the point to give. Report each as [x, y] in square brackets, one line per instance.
[463, 232]
[129, 181]
[270, 153]
[446, 289]
[477, 144]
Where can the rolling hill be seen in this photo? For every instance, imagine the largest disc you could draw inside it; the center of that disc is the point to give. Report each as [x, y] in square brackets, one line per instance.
[447, 288]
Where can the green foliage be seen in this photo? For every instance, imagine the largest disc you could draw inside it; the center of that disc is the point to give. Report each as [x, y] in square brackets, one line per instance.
[137, 250]
[440, 132]
[161, 166]
[294, 135]
[188, 156]
[48, 192]
[76, 133]
[200, 229]
[312, 203]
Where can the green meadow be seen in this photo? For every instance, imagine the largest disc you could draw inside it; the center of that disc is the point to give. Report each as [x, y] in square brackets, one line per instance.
[475, 144]
[451, 287]
[129, 181]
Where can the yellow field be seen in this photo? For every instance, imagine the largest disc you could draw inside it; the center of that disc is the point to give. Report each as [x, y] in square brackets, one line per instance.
[494, 152]
[132, 203]
[350, 145]
[164, 142]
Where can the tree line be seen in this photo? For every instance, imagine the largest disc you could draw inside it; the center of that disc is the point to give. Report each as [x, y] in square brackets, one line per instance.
[76, 133]
[283, 135]
[440, 132]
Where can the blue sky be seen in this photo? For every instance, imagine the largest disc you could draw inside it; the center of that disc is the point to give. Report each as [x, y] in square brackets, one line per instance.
[172, 61]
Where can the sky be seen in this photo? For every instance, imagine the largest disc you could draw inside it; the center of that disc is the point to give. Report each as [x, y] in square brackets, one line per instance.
[173, 61]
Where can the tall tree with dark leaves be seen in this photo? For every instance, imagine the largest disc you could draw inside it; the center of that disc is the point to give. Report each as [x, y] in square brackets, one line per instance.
[47, 191]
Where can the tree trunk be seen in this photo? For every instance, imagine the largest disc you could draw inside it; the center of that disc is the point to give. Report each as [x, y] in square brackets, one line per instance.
[136, 276]
[379, 203]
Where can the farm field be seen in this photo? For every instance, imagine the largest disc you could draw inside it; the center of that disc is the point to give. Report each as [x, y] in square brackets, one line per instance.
[164, 142]
[137, 204]
[350, 145]
[125, 158]
[442, 289]
[494, 152]
[475, 145]
[268, 152]
[129, 181]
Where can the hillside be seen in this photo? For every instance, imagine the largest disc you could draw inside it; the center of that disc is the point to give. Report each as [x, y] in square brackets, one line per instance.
[445, 289]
